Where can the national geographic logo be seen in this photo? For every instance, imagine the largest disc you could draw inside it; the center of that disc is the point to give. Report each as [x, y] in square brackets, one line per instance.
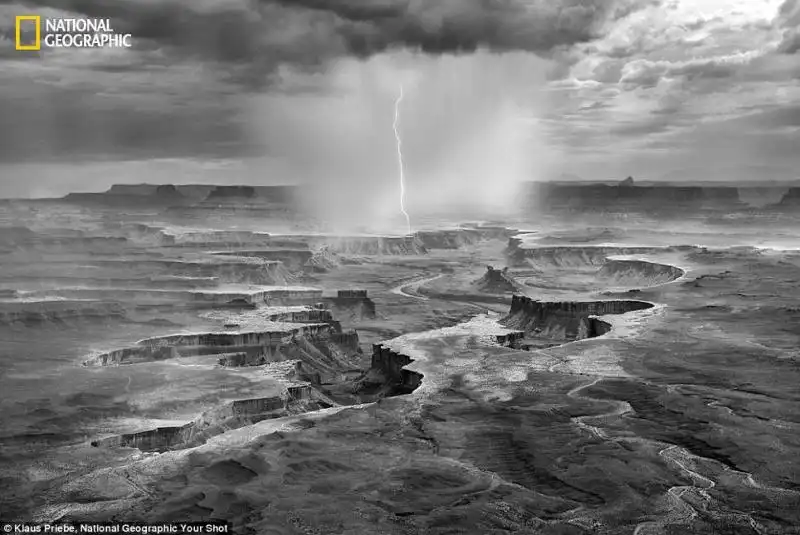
[66, 33]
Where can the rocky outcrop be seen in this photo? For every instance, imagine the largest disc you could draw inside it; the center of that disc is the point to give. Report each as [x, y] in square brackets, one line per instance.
[664, 198]
[160, 439]
[496, 281]
[322, 261]
[449, 239]
[190, 299]
[371, 245]
[52, 241]
[637, 273]
[509, 339]
[293, 296]
[232, 415]
[305, 373]
[133, 189]
[227, 238]
[24, 314]
[565, 320]
[147, 234]
[549, 257]
[347, 340]
[492, 231]
[238, 338]
[294, 259]
[391, 366]
[168, 192]
[231, 192]
[233, 360]
[258, 346]
[313, 315]
[227, 269]
[320, 358]
[143, 193]
[630, 197]
[351, 294]
[132, 195]
[352, 305]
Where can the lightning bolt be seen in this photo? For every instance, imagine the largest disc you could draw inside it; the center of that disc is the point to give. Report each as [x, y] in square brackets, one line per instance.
[400, 159]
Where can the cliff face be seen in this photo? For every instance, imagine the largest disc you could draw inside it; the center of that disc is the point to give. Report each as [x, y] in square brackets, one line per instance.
[496, 281]
[187, 298]
[25, 314]
[347, 340]
[132, 195]
[293, 259]
[293, 296]
[565, 320]
[227, 238]
[666, 198]
[232, 415]
[573, 256]
[52, 241]
[630, 197]
[231, 270]
[352, 308]
[258, 346]
[228, 192]
[638, 273]
[322, 261]
[449, 239]
[132, 189]
[391, 365]
[307, 316]
[374, 245]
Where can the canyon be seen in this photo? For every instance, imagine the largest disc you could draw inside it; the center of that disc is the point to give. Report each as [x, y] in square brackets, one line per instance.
[186, 353]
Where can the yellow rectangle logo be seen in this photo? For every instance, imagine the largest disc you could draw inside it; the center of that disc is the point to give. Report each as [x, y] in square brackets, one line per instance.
[37, 21]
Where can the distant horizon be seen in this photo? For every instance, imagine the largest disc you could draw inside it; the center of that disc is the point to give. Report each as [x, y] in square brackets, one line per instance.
[579, 181]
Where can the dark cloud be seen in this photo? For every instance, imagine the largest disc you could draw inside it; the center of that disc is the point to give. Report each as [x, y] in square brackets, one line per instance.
[789, 14]
[269, 32]
[790, 43]
[789, 18]
[240, 45]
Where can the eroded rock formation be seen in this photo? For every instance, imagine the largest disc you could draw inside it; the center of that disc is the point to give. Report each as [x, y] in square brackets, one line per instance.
[25, 314]
[638, 273]
[391, 365]
[547, 257]
[565, 320]
[372, 245]
[496, 281]
[630, 197]
[258, 346]
[449, 239]
[232, 415]
[353, 305]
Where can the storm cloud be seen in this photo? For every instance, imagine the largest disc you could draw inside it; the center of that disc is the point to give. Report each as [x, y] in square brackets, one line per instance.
[267, 33]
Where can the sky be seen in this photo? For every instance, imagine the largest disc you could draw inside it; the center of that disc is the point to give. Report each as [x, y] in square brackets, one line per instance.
[496, 91]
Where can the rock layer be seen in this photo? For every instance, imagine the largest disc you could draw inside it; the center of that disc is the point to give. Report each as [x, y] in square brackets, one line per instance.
[565, 320]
